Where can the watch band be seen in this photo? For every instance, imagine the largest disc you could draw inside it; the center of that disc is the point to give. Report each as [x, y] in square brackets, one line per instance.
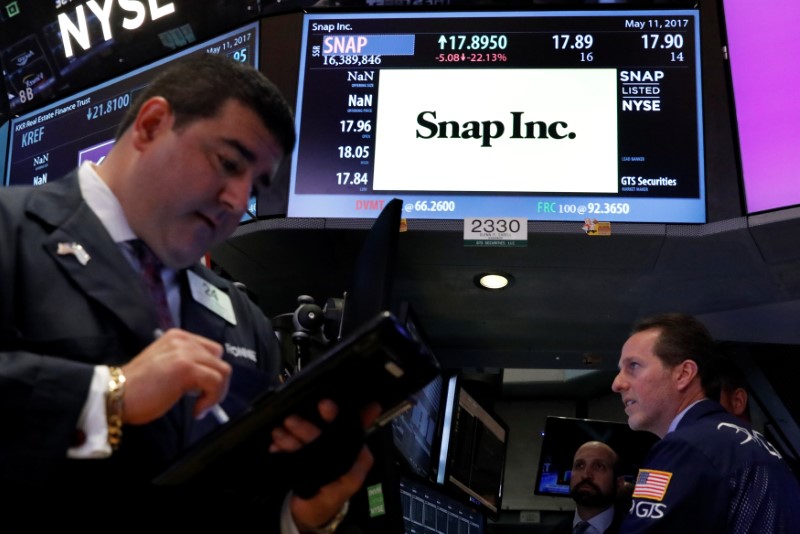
[114, 401]
[331, 526]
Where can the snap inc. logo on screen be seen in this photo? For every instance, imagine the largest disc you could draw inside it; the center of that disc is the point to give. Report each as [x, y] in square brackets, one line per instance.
[488, 130]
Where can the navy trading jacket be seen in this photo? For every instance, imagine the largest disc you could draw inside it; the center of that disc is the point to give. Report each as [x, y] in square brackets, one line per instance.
[714, 474]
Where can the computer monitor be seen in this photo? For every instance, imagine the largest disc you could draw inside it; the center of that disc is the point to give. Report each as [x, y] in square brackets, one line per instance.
[50, 50]
[427, 510]
[415, 433]
[473, 449]
[548, 114]
[762, 47]
[562, 437]
[46, 144]
[370, 287]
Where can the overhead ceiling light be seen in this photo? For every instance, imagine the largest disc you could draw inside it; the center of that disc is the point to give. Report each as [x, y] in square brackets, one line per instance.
[493, 280]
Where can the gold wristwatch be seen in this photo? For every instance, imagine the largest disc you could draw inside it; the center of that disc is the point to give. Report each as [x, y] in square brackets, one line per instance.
[331, 526]
[114, 398]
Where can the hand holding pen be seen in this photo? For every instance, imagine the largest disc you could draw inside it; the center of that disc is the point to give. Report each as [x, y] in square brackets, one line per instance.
[175, 364]
[216, 410]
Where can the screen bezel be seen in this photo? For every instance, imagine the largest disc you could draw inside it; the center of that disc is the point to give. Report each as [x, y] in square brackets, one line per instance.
[121, 79]
[563, 435]
[320, 211]
[442, 469]
[409, 465]
[761, 192]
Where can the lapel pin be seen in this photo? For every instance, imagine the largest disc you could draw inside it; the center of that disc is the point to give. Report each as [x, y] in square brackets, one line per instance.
[76, 249]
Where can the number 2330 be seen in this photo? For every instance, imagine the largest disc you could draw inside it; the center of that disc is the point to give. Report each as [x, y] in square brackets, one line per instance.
[495, 225]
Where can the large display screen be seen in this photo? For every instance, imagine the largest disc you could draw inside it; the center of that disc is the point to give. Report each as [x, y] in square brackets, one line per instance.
[415, 432]
[473, 449]
[47, 144]
[52, 49]
[548, 115]
[563, 436]
[763, 49]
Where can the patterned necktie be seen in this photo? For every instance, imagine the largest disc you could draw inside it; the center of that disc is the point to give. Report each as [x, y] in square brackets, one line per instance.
[150, 268]
[581, 528]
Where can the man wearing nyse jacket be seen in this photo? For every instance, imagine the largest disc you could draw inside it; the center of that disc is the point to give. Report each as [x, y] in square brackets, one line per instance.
[710, 472]
[104, 380]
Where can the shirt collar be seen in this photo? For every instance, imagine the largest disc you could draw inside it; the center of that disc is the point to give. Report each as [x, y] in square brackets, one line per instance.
[601, 521]
[103, 203]
[674, 424]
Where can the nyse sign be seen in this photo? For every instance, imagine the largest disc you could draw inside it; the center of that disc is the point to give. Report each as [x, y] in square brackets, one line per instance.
[136, 12]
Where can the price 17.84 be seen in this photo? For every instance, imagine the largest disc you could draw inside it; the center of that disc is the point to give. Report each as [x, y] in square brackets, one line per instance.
[352, 178]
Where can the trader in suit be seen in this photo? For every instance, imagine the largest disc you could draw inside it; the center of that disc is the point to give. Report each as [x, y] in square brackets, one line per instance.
[595, 485]
[107, 371]
[710, 472]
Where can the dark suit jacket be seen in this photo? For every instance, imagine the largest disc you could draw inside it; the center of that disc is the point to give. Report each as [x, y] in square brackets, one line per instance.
[60, 318]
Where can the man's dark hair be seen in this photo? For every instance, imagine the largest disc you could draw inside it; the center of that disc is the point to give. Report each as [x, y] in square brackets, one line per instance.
[731, 378]
[731, 375]
[682, 337]
[196, 88]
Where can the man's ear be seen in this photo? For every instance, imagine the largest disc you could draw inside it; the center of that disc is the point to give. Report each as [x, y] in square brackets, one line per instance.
[739, 401]
[154, 117]
[684, 373]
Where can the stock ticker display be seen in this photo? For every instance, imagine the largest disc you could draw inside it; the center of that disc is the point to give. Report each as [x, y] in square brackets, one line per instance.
[50, 142]
[547, 115]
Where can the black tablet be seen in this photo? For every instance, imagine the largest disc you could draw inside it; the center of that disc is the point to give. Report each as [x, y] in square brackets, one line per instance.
[382, 361]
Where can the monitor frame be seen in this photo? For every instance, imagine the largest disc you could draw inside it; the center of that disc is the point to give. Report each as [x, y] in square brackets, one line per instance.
[563, 435]
[457, 396]
[765, 135]
[103, 107]
[412, 457]
[321, 205]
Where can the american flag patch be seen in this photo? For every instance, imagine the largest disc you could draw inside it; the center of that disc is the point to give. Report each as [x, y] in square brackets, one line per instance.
[651, 484]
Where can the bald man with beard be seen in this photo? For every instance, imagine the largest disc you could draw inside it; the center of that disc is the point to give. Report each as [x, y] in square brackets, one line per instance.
[594, 486]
